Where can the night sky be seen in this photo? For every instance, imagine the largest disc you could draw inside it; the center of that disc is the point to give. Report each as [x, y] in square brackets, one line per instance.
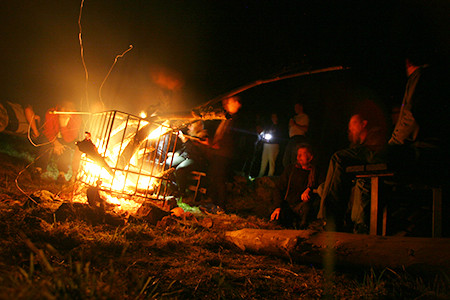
[213, 47]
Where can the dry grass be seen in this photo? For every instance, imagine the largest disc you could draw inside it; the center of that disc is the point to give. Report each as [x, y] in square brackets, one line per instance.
[182, 259]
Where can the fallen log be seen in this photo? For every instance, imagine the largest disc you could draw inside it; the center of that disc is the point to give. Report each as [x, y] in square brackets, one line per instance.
[345, 249]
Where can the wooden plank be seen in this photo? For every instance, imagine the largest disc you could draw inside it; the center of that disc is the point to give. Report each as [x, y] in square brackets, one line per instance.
[354, 169]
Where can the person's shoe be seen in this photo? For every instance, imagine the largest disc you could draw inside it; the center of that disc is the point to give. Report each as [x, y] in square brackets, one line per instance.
[178, 194]
[212, 209]
[361, 229]
[219, 210]
[316, 225]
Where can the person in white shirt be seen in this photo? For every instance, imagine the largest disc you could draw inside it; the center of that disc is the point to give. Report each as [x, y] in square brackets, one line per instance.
[298, 127]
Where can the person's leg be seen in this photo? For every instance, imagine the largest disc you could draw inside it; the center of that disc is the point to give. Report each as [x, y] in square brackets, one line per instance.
[217, 173]
[287, 216]
[302, 210]
[337, 186]
[174, 163]
[273, 153]
[360, 209]
[287, 157]
[264, 160]
[182, 174]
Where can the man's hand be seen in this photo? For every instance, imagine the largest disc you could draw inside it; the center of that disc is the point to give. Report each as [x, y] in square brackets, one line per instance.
[37, 119]
[63, 120]
[182, 137]
[275, 214]
[292, 123]
[58, 148]
[305, 195]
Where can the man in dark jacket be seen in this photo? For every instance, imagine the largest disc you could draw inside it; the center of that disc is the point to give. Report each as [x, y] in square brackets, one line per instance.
[368, 140]
[293, 194]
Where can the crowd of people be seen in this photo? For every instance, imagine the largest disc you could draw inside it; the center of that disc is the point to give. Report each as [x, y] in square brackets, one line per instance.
[304, 191]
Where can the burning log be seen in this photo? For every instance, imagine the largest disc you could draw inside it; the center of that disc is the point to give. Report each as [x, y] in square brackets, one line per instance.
[346, 249]
[86, 146]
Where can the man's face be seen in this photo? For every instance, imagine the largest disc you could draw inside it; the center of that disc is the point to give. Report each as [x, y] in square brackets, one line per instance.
[304, 157]
[195, 127]
[298, 109]
[274, 118]
[355, 127]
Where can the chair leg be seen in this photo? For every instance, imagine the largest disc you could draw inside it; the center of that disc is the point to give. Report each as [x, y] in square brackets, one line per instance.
[196, 188]
[384, 227]
[374, 206]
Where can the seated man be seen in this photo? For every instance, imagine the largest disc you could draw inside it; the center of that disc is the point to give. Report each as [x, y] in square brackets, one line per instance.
[293, 194]
[417, 145]
[367, 141]
[59, 136]
[189, 158]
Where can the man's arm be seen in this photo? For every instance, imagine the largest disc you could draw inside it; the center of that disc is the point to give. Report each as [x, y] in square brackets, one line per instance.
[32, 118]
[71, 130]
[293, 123]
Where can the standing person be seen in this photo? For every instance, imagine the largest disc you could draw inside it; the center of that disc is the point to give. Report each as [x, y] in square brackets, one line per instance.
[293, 194]
[223, 151]
[271, 137]
[421, 135]
[298, 126]
[59, 135]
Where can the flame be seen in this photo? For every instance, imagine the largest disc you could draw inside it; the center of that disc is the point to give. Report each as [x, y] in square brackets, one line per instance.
[137, 170]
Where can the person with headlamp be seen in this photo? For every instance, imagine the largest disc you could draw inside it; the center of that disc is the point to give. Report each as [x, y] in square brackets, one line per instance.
[271, 137]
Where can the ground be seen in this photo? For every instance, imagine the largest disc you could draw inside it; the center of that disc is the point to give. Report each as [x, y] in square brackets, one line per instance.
[45, 254]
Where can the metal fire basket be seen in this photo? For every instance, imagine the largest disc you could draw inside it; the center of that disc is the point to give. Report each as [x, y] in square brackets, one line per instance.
[130, 155]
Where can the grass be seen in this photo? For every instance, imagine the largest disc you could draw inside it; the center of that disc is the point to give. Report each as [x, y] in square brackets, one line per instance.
[75, 260]
[42, 258]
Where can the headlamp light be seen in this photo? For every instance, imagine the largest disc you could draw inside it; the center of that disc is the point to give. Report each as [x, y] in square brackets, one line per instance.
[267, 136]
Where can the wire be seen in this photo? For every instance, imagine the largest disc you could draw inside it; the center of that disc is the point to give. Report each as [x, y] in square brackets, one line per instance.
[31, 140]
[80, 39]
[109, 72]
[20, 173]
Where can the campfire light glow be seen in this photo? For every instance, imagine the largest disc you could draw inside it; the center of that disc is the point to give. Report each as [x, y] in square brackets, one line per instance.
[135, 150]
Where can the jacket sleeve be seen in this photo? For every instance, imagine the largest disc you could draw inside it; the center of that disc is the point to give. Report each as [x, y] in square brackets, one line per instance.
[51, 125]
[281, 186]
[71, 131]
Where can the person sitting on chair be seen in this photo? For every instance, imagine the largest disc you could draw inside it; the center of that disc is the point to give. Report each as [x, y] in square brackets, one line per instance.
[189, 158]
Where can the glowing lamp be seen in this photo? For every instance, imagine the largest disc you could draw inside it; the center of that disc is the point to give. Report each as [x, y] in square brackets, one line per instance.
[267, 136]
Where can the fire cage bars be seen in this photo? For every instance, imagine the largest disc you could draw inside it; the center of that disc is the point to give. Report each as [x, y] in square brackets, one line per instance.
[129, 156]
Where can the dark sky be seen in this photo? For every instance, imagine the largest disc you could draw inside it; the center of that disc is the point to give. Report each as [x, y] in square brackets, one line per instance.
[213, 47]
